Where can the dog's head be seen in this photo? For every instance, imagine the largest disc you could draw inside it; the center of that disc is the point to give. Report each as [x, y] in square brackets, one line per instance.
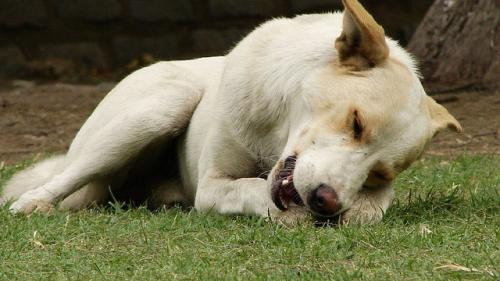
[367, 119]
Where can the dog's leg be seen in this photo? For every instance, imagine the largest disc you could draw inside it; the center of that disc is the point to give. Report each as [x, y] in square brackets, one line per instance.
[369, 206]
[233, 196]
[248, 196]
[113, 145]
[229, 184]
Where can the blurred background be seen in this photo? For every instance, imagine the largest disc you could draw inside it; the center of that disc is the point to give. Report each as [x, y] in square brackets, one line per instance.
[58, 58]
[79, 39]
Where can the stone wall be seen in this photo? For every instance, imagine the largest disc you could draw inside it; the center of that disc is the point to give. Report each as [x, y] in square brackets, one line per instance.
[50, 37]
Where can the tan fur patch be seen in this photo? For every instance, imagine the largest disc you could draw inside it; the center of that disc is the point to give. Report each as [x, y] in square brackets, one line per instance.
[380, 175]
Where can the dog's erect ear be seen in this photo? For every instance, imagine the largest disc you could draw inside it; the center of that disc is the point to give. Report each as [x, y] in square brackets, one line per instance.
[361, 44]
[441, 118]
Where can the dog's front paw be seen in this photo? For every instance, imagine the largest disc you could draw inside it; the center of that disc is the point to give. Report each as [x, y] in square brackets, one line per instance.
[292, 216]
[32, 201]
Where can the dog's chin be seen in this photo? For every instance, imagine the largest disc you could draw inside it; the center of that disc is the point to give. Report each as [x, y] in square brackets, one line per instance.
[283, 192]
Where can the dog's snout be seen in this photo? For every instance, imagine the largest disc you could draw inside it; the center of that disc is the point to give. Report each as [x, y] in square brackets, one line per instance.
[323, 200]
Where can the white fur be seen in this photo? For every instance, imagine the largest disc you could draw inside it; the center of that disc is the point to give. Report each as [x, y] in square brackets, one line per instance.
[245, 112]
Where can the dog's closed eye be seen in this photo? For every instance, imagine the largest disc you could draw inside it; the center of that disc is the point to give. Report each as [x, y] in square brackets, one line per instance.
[357, 126]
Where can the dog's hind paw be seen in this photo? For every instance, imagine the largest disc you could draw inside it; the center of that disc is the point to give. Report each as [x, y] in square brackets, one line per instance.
[36, 206]
[31, 201]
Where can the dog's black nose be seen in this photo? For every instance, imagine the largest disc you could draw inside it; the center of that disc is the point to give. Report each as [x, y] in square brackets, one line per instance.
[323, 200]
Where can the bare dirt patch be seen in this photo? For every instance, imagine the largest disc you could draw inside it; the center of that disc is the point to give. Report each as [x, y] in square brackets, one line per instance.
[44, 118]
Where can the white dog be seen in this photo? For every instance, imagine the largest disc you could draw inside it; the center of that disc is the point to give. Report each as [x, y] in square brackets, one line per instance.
[324, 106]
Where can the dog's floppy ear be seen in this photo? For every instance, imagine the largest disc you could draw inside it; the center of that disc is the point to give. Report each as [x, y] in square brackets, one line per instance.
[440, 117]
[361, 44]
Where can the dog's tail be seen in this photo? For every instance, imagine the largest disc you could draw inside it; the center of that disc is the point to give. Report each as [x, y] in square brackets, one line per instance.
[32, 178]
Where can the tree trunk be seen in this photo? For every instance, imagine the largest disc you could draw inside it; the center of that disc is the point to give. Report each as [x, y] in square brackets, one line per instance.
[458, 45]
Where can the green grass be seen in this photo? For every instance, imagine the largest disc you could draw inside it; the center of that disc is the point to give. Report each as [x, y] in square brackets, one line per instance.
[447, 214]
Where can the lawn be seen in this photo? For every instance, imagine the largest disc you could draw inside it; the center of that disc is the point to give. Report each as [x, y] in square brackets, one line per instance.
[445, 224]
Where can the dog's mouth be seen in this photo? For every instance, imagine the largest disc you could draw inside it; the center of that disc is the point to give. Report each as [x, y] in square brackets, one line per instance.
[283, 191]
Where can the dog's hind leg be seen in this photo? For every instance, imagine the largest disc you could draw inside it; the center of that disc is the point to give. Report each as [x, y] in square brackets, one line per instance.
[159, 116]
